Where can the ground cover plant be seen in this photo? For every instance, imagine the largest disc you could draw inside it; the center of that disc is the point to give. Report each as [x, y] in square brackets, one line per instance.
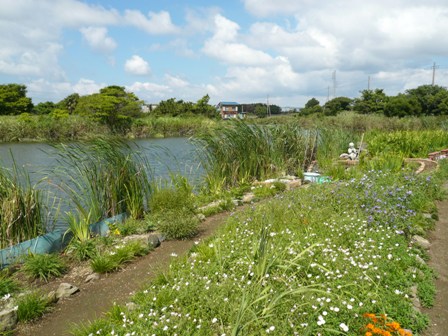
[313, 261]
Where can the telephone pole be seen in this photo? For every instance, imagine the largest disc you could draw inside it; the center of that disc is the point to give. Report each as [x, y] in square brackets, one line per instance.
[334, 83]
[434, 67]
[368, 84]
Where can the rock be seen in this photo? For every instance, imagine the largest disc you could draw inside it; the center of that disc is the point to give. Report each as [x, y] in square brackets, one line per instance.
[161, 237]
[66, 290]
[153, 240]
[422, 242]
[427, 216]
[420, 260]
[92, 277]
[414, 290]
[248, 198]
[8, 317]
[52, 298]
[201, 217]
[294, 184]
[131, 306]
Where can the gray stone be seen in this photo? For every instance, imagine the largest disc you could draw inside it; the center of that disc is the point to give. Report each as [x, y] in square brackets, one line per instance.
[248, 198]
[422, 242]
[153, 240]
[427, 216]
[420, 260]
[201, 217]
[66, 290]
[92, 277]
[414, 290]
[8, 317]
[131, 306]
[52, 298]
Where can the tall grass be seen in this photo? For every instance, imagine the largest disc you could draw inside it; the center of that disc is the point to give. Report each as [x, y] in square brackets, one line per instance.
[21, 207]
[407, 143]
[242, 152]
[105, 178]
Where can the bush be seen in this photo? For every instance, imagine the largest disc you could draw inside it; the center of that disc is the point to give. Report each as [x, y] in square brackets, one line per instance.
[177, 224]
[103, 264]
[82, 250]
[31, 306]
[168, 199]
[43, 266]
[7, 284]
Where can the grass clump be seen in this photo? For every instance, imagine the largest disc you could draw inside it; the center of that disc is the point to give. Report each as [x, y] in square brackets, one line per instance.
[31, 306]
[43, 266]
[176, 224]
[7, 284]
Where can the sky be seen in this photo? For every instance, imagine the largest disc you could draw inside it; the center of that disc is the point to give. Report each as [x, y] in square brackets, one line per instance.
[284, 51]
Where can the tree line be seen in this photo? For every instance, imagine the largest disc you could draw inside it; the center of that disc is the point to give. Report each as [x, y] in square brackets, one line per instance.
[422, 101]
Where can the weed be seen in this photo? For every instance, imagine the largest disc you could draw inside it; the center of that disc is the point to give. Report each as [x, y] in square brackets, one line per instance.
[43, 266]
[176, 224]
[31, 306]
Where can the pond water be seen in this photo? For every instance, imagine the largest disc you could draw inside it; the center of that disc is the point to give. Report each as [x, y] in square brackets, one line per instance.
[167, 155]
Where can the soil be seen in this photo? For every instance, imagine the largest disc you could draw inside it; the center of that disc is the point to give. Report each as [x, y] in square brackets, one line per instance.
[97, 297]
[438, 252]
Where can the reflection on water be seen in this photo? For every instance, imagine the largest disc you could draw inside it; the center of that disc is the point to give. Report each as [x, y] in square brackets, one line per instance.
[165, 156]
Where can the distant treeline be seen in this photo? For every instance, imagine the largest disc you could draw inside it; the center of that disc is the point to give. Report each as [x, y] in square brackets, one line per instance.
[425, 100]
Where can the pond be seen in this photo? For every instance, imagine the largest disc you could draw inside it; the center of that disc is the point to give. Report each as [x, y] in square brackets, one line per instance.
[166, 156]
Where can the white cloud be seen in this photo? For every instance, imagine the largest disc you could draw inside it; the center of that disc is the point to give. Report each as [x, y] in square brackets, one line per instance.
[223, 46]
[137, 66]
[176, 81]
[87, 86]
[148, 90]
[155, 23]
[98, 40]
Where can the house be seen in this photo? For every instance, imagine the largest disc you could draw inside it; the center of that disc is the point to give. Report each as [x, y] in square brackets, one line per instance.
[228, 110]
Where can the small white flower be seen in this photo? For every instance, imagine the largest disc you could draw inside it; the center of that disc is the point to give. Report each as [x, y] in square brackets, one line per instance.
[214, 320]
[344, 327]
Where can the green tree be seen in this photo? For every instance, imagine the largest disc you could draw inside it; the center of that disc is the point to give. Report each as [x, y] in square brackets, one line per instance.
[69, 103]
[312, 106]
[401, 106]
[112, 106]
[371, 101]
[203, 107]
[44, 108]
[430, 97]
[13, 100]
[336, 105]
[260, 111]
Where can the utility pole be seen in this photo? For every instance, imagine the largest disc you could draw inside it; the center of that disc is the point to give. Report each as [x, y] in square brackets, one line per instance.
[434, 67]
[368, 84]
[268, 108]
[328, 94]
[334, 84]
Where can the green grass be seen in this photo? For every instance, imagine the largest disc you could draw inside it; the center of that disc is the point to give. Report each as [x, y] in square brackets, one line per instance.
[31, 306]
[7, 284]
[309, 261]
[43, 266]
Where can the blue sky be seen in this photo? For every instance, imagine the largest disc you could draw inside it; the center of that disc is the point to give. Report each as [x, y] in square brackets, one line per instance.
[238, 50]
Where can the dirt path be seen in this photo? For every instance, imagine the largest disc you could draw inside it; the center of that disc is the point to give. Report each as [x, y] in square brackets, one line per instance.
[439, 262]
[98, 297]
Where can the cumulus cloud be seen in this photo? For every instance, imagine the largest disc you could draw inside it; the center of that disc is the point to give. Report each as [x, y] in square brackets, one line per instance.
[154, 23]
[98, 40]
[149, 90]
[137, 66]
[223, 45]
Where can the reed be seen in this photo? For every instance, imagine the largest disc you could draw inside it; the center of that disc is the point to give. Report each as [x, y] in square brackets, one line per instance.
[21, 207]
[105, 178]
[242, 152]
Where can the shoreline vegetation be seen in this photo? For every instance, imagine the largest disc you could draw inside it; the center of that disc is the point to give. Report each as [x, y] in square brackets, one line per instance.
[336, 258]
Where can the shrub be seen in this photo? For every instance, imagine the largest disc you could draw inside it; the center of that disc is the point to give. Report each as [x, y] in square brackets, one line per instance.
[177, 224]
[103, 264]
[7, 284]
[169, 198]
[43, 266]
[31, 306]
[82, 250]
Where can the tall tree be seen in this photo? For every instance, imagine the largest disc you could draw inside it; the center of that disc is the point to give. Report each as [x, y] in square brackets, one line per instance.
[371, 101]
[336, 105]
[113, 106]
[429, 97]
[13, 100]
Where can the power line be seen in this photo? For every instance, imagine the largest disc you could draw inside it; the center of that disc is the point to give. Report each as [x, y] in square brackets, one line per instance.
[434, 67]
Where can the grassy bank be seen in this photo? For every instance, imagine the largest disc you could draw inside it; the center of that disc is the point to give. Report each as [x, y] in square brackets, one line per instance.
[68, 128]
[327, 260]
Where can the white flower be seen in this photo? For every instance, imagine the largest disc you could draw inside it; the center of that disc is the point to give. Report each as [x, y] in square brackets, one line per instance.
[214, 320]
[344, 327]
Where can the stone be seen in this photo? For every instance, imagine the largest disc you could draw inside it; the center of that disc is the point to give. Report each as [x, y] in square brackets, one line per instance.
[248, 198]
[153, 240]
[201, 217]
[66, 290]
[294, 184]
[52, 298]
[414, 290]
[427, 216]
[422, 242]
[131, 306]
[420, 260]
[92, 277]
[8, 317]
